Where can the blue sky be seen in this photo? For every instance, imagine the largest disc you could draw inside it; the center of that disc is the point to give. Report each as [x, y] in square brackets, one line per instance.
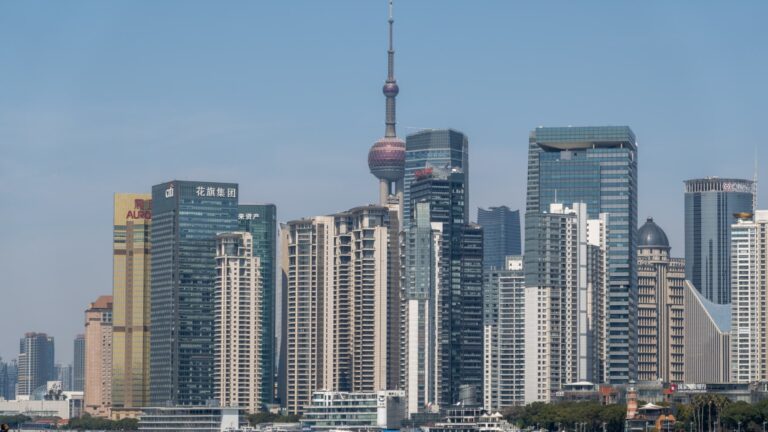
[284, 97]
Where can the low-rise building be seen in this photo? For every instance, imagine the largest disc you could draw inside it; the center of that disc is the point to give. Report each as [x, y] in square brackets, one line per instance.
[363, 411]
[197, 419]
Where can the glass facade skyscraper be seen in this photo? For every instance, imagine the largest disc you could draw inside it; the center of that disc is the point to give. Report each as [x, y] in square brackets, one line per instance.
[435, 148]
[710, 206]
[35, 363]
[596, 166]
[78, 364]
[186, 216]
[260, 220]
[501, 229]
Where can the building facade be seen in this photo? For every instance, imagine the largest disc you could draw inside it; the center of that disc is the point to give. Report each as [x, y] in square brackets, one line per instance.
[502, 235]
[63, 375]
[707, 337]
[710, 205]
[192, 419]
[238, 333]
[749, 298]
[8, 378]
[131, 273]
[355, 411]
[97, 396]
[78, 364]
[35, 363]
[260, 220]
[596, 166]
[186, 216]
[660, 323]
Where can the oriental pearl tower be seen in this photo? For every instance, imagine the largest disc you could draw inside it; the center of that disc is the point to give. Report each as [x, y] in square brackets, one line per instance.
[386, 159]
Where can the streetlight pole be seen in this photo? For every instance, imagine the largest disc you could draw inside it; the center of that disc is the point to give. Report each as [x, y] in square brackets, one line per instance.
[739, 426]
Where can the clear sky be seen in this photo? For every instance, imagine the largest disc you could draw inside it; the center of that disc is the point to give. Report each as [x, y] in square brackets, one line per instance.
[284, 97]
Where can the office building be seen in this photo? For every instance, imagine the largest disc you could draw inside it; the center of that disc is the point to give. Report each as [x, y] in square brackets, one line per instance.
[98, 357]
[749, 295]
[435, 149]
[710, 206]
[596, 166]
[504, 336]
[501, 227]
[341, 292]
[186, 216]
[260, 220]
[8, 378]
[661, 281]
[78, 364]
[131, 264]
[707, 338]
[355, 411]
[564, 295]
[192, 419]
[64, 376]
[237, 330]
[35, 363]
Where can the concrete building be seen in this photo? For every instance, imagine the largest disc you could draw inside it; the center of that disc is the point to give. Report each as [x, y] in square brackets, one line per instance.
[131, 273]
[564, 296]
[501, 227]
[342, 299]
[66, 405]
[660, 327]
[706, 336]
[710, 206]
[596, 166]
[35, 363]
[98, 357]
[749, 298]
[237, 327]
[192, 419]
[355, 411]
[504, 336]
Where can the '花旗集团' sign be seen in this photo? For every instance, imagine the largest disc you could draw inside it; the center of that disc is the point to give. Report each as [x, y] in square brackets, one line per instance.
[217, 192]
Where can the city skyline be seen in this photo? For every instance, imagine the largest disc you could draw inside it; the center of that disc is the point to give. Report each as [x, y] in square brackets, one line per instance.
[62, 132]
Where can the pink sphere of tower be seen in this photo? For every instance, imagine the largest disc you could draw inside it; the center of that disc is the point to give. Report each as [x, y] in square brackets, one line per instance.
[386, 159]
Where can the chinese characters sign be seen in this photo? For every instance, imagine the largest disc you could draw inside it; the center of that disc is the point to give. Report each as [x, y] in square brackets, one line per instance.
[216, 192]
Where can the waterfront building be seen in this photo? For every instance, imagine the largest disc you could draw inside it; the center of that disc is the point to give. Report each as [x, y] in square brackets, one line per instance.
[237, 327]
[470, 419]
[186, 216]
[341, 291]
[749, 295]
[131, 272]
[707, 338]
[660, 281]
[355, 411]
[564, 294]
[596, 166]
[260, 220]
[35, 363]
[504, 336]
[67, 406]
[98, 357]
[192, 419]
[710, 206]
[78, 364]
[501, 227]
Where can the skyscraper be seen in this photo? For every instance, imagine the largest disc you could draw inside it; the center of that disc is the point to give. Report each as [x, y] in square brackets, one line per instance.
[442, 149]
[63, 374]
[78, 364]
[97, 399]
[387, 156]
[8, 378]
[260, 220]
[596, 166]
[238, 334]
[35, 363]
[502, 235]
[661, 285]
[131, 272]
[710, 205]
[186, 216]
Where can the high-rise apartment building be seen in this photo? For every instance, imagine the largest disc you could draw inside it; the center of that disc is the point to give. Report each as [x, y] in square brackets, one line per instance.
[238, 333]
[186, 217]
[504, 336]
[341, 292]
[131, 273]
[78, 364]
[434, 149]
[660, 316]
[710, 206]
[749, 297]
[97, 397]
[565, 298]
[501, 227]
[35, 363]
[596, 166]
[260, 220]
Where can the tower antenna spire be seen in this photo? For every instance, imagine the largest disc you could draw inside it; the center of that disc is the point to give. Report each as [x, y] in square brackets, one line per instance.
[390, 86]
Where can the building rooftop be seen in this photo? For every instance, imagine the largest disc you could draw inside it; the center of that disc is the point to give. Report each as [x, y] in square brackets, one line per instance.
[651, 235]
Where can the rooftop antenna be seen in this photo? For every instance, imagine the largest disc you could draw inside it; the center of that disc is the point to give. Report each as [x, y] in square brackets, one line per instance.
[754, 185]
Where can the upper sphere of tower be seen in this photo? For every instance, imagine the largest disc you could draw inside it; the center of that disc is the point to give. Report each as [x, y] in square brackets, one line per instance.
[390, 89]
[386, 159]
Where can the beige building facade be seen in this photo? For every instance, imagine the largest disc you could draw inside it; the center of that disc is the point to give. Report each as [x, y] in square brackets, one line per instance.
[98, 357]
